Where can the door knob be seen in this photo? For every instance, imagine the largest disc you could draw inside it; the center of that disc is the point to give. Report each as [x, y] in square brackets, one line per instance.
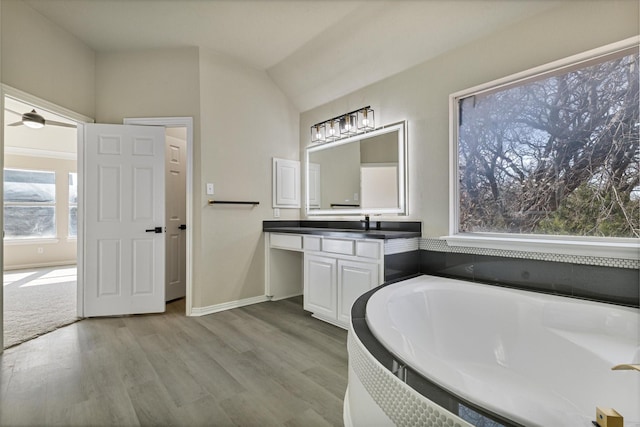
[154, 230]
[182, 226]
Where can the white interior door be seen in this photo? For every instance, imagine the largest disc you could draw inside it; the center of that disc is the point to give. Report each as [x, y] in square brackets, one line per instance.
[176, 212]
[124, 208]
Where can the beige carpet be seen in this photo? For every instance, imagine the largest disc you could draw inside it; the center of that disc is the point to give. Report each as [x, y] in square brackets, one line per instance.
[37, 301]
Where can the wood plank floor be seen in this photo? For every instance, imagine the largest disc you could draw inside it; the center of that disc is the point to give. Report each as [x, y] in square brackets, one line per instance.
[268, 364]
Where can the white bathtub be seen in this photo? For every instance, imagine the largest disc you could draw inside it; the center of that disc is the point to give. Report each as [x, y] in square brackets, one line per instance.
[535, 359]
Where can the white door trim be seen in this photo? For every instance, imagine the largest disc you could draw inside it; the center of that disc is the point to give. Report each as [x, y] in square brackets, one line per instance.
[2, 220]
[43, 104]
[27, 98]
[186, 122]
[80, 222]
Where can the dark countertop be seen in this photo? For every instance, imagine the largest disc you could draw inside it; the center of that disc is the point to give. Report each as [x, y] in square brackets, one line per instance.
[347, 229]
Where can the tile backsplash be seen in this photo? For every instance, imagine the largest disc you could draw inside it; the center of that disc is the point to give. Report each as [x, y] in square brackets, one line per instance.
[601, 279]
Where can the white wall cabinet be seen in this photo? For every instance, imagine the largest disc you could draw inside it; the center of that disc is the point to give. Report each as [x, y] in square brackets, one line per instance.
[286, 183]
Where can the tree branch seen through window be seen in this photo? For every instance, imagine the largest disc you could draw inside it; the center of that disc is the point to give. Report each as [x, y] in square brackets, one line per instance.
[558, 155]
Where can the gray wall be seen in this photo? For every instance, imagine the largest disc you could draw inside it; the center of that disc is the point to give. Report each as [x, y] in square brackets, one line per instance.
[241, 121]
[42, 59]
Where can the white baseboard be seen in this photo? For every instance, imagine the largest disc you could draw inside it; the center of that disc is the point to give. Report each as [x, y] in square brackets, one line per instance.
[334, 322]
[285, 296]
[40, 265]
[203, 311]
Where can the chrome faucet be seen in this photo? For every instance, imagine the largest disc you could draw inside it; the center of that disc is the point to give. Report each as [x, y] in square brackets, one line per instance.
[366, 222]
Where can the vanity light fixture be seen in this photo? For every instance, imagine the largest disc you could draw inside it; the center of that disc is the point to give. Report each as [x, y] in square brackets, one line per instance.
[318, 133]
[332, 130]
[348, 124]
[343, 126]
[366, 120]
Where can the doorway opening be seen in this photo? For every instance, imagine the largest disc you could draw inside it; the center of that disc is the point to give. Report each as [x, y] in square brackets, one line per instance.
[179, 199]
[175, 212]
[40, 220]
[179, 128]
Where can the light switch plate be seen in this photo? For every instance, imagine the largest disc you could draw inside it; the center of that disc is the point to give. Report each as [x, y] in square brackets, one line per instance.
[210, 189]
[276, 212]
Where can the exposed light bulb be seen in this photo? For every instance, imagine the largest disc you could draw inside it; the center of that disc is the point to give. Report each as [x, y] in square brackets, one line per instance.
[365, 119]
[318, 134]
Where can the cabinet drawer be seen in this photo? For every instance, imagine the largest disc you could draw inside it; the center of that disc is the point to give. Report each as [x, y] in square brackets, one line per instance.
[337, 246]
[311, 243]
[286, 241]
[368, 249]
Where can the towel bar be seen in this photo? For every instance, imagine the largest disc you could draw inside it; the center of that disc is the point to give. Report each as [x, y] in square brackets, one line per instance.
[231, 202]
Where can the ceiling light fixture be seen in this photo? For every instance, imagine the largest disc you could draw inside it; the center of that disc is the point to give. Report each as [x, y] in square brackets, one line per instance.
[33, 120]
[343, 126]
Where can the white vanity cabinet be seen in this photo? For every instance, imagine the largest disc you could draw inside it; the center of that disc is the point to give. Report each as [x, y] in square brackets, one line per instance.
[336, 271]
[331, 285]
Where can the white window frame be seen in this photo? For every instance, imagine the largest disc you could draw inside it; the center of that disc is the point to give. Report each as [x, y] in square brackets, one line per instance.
[69, 206]
[54, 205]
[625, 248]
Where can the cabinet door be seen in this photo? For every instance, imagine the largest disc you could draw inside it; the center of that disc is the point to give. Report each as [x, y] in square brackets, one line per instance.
[320, 285]
[354, 279]
[286, 183]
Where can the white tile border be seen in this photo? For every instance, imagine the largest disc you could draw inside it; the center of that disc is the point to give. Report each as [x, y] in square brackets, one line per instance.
[401, 403]
[440, 245]
[399, 246]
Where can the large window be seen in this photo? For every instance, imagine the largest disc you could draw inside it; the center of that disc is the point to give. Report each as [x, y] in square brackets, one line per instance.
[553, 154]
[73, 204]
[29, 204]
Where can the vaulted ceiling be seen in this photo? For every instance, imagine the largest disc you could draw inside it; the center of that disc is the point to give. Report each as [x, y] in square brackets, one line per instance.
[314, 50]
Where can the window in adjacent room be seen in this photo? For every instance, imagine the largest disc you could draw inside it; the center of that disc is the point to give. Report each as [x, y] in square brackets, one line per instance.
[552, 154]
[29, 204]
[73, 204]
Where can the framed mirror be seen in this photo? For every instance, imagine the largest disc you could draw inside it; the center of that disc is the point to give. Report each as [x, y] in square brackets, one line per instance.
[364, 174]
